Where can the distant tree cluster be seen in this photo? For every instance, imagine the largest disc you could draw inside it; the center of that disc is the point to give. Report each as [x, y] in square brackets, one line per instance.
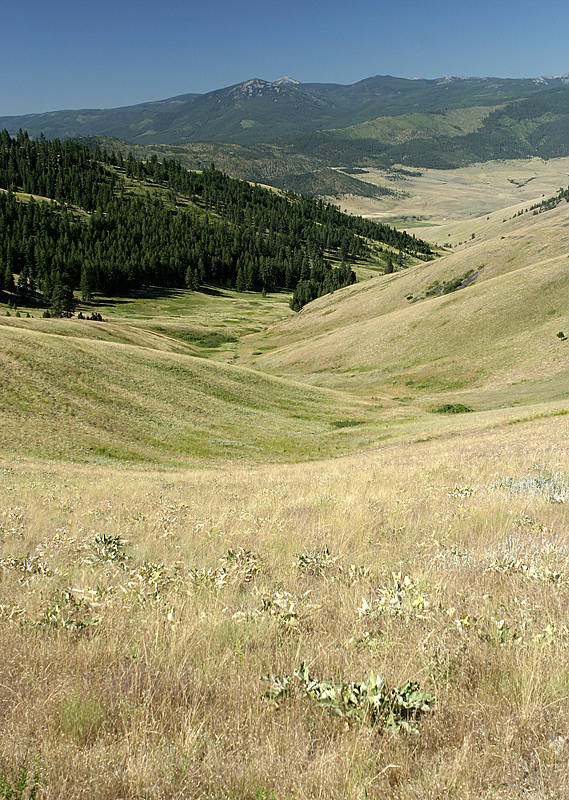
[551, 202]
[117, 224]
[319, 281]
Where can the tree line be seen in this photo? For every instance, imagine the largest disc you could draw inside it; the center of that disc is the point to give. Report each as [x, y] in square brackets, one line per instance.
[118, 223]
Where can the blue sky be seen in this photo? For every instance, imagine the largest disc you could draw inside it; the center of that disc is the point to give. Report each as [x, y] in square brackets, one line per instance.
[63, 54]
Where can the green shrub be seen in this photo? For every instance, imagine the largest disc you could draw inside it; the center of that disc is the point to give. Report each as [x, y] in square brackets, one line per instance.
[452, 408]
[370, 702]
[21, 784]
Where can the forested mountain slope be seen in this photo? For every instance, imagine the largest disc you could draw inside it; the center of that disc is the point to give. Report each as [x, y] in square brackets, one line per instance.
[295, 135]
[118, 224]
[258, 110]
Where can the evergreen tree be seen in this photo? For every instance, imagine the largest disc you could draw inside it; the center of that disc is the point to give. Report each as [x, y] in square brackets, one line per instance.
[62, 301]
[86, 282]
[240, 282]
[8, 278]
[252, 239]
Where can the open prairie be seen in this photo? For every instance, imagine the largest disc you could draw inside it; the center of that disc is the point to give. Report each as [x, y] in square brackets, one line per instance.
[223, 525]
[434, 196]
[142, 611]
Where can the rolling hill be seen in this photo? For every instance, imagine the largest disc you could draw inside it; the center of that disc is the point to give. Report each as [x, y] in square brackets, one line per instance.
[475, 328]
[84, 398]
[416, 337]
[247, 553]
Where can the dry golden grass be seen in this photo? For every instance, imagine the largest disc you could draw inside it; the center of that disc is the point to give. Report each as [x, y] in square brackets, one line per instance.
[438, 196]
[135, 678]
[494, 341]
[142, 602]
[108, 331]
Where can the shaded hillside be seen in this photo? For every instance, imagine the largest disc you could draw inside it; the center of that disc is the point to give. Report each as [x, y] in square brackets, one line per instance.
[279, 165]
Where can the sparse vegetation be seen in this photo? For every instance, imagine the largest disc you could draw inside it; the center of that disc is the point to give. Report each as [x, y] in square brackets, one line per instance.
[437, 287]
[551, 202]
[143, 674]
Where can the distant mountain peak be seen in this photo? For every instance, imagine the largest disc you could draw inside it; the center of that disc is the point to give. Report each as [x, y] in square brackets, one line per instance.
[257, 87]
[286, 79]
[563, 77]
[454, 79]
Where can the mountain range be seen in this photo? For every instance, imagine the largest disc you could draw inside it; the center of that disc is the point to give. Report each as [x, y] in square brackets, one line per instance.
[258, 110]
[295, 135]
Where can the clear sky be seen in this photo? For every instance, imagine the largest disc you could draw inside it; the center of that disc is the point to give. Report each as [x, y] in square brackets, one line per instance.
[62, 54]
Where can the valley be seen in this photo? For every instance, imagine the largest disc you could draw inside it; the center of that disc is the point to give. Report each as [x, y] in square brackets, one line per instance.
[422, 197]
[224, 523]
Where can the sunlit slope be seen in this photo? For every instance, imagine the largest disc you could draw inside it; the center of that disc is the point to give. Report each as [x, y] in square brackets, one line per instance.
[491, 338]
[63, 397]
[118, 333]
[500, 248]
[205, 323]
[403, 127]
[512, 222]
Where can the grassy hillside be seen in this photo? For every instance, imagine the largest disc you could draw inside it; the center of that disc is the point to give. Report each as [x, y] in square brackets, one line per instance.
[247, 554]
[491, 343]
[146, 615]
[403, 127]
[393, 349]
[79, 399]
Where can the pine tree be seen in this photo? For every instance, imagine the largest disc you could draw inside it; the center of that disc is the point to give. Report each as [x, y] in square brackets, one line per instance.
[8, 278]
[62, 301]
[86, 283]
[22, 285]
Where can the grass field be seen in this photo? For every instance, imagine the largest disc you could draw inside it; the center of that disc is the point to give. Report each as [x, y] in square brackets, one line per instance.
[78, 399]
[132, 665]
[218, 518]
[488, 345]
[401, 128]
[440, 196]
